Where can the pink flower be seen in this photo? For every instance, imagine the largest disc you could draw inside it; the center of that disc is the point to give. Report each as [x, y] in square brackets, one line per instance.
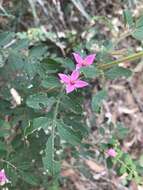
[83, 62]
[72, 81]
[3, 178]
[111, 152]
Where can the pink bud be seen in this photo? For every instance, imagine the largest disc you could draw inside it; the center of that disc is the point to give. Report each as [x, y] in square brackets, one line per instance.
[111, 152]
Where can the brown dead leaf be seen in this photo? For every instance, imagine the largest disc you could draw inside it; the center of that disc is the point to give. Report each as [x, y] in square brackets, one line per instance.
[79, 185]
[94, 166]
[68, 173]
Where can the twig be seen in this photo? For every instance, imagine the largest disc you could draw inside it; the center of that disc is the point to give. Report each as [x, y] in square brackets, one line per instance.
[33, 7]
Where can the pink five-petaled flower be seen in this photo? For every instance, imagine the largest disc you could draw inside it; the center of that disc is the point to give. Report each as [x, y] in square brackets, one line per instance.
[3, 178]
[83, 62]
[72, 81]
[111, 152]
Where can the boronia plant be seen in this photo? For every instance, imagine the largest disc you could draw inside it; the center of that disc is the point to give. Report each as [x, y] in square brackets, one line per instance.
[43, 119]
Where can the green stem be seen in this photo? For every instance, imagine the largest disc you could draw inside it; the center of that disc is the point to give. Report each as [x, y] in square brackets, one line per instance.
[11, 165]
[54, 126]
[131, 171]
[116, 62]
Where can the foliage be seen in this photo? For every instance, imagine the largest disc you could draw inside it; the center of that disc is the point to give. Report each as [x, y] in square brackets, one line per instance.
[35, 133]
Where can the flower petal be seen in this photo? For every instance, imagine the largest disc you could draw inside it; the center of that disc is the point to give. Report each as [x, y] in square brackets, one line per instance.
[64, 78]
[78, 66]
[80, 84]
[74, 75]
[78, 58]
[70, 88]
[90, 59]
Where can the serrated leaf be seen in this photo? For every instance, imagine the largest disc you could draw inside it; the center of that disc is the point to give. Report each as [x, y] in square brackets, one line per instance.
[121, 131]
[50, 165]
[65, 62]
[77, 125]
[38, 123]
[141, 160]
[29, 178]
[109, 162]
[128, 18]
[41, 122]
[37, 52]
[4, 124]
[20, 44]
[47, 159]
[39, 101]
[2, 146]
[90, 72]
[67, 134]
[50, 82]
[117, 72]
[72, 104]
[139, 22]
[122, 170]
[16, 60]
[97, 100]
[138, 32]
[6, 37]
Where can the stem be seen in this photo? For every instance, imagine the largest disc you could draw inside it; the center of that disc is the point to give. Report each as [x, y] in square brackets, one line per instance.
[116, 62]
[11, 165]
[132, 171]
[53, 128]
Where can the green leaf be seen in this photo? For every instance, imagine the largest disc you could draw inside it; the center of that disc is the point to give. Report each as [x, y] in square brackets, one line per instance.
[67, 134]
[37, 52]
[109, 162]
[77, 125]
[128, 18]
[121, 131]
[90, 72]
[41, 122]
[38, 123]
[16, 60]
[4, 128]
[20, 44]
[138, 33]
[97, 100]
[6, 37]
[141, 160]
[65, 62]
[29, 178]
[4, 124]
[50, 165]
[122, 170]
[2, 146]
[139, 22]
[51, 82]
[72, 104]
[39, 101]
[117, 72]
[47, 159]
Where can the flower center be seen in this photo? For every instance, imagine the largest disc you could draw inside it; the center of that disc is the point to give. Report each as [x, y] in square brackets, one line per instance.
[1, 178]
[84, 63]
[72, 82]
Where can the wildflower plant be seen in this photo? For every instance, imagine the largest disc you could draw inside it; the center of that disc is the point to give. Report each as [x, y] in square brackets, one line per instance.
[43, 119]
